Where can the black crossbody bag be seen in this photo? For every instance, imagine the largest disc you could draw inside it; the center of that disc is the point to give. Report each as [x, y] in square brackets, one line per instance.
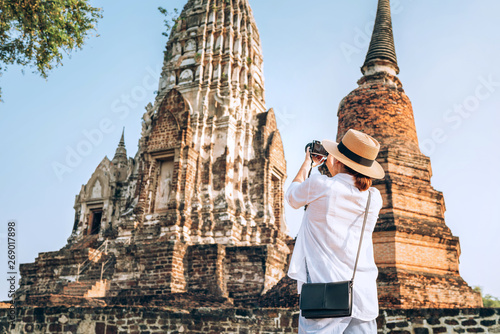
[330, 300]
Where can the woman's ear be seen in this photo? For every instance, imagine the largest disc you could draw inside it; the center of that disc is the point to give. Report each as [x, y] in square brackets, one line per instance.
[339, 167]
[330, 164]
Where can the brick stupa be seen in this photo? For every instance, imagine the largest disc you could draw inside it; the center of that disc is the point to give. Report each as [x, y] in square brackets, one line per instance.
[416, 253]
[198, 212]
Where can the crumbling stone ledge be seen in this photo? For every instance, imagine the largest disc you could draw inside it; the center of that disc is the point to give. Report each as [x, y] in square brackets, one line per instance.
[148, 320]
[155, 320]
[430, 321]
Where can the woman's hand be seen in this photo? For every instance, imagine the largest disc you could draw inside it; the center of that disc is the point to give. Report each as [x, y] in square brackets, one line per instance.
[307, 159]
[317, 159]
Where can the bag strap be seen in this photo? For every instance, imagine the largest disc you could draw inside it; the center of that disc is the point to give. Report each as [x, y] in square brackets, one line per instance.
[307, 273]
[362, 232]
[360, 241]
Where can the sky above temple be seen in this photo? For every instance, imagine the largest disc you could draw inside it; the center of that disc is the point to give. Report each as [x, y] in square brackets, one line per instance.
[447, 53]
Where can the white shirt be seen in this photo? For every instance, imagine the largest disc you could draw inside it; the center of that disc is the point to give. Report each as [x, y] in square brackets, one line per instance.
[329, 236]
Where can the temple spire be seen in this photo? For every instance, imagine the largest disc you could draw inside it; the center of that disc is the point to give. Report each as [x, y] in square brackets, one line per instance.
[122, 139]
[381, 54]
[121, 151]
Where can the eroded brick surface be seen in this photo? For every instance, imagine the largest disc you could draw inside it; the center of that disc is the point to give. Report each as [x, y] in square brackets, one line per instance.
[415, 251]
[172, 319]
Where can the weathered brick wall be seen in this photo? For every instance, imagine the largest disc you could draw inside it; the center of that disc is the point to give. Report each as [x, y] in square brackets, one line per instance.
[430, 321]
[39, 279]
[415, 251]
[270, 154]
[380, 107]
[173, 119]
[170, 136]
[156, 320]
[412, 241]
[135, 320]
[206, 269]
[245, 272]
[410, 289]
[276, 265]
[151, 269]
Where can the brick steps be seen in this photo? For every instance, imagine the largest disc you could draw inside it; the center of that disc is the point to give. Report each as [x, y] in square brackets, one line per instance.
[98, 289]
[92, 269]
[87, 289]
[77, 288]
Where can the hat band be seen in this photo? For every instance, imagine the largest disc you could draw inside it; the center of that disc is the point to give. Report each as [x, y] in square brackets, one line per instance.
[353, 156]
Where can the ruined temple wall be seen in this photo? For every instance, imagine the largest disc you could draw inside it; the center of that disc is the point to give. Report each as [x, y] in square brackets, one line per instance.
[51, 271]
[380, 108]
[159, 268]
[404, 289]
[135, 320]
[152, 269]
[415, 252]
[206, 269]
[253, 270]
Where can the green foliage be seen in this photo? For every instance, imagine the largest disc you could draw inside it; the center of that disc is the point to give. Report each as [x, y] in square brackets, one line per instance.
[488, 300]
[171, 20]
[35, 33]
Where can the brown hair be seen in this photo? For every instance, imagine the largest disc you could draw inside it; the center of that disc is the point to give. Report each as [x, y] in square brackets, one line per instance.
[362, 182]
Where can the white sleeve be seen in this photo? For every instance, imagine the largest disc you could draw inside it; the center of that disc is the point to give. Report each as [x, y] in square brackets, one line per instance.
[300, 194]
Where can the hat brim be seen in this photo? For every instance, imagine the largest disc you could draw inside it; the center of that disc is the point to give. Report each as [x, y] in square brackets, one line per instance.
[375, 171]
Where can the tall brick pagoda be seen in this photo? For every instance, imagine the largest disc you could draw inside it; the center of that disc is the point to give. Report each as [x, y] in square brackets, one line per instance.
[416, 253]
[199, 209]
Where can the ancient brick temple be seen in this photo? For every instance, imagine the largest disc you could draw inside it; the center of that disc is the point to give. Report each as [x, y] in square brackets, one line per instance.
[200, 207]
[416, 253]
[196, 217]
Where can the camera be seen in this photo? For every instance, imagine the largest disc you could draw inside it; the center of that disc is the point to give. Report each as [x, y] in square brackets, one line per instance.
[315, 147]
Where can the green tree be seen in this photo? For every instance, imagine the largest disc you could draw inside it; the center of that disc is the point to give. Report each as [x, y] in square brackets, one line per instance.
[171, 21]
[488, 300]
[36, 33]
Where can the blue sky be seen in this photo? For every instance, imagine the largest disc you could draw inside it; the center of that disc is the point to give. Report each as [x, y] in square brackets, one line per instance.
[448, 56]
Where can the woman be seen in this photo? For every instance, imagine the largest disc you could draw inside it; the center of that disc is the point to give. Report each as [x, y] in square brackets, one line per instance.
[329, 236]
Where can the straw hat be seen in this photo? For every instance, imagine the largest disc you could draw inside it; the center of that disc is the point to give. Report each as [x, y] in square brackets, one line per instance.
[358, 151]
